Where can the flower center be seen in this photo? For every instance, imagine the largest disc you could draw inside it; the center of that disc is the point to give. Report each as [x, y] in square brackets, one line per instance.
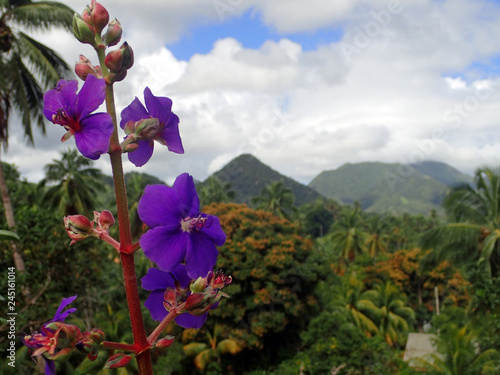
[68, 122]
[196, 223]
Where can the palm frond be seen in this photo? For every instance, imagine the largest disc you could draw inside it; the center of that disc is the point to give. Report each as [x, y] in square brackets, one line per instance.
[46, 63]
[43, 15]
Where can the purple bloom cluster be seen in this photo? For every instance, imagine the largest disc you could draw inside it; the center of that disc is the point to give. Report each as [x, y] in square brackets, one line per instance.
[179, 232]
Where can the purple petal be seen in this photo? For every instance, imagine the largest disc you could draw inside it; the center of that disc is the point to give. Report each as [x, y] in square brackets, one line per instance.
[63, 96]
[134, 112]
[165, 247]
[154, 304]
[159, 107]
[187, 320]
[201, 255]
[171, 135]
[189, 204]
[214, 231]
[91, 96]
[93, 138]
[157, 279]
[142, 154]
[159, 206]
[180, 274]
[50, 367]
[60, 315]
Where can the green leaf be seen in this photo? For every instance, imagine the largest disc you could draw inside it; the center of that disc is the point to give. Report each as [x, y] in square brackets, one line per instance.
[8, 235]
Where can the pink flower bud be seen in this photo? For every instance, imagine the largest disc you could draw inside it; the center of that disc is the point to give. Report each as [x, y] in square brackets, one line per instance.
[165, 342]
[84, 67]
[113, 34]
[118, 360]
[114, 61]
[78, 227]
[131, 147]
[147, 128]
[99, 15]
[104, 220]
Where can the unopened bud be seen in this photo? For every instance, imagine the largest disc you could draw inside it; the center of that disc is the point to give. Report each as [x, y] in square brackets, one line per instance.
[104, 219]
[113, 34]
[78, 227]
[99, 16]
[199, 285]
[97, 335]
[117, 77]
[147, 128]
[128, 55]
[165, 342]
[61, 355]
[114, 61]
[131, 147]
[118, 360]
[84, 32]
[84, 67]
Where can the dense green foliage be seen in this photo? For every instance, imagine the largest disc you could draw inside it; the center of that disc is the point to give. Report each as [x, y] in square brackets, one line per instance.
[333, 290]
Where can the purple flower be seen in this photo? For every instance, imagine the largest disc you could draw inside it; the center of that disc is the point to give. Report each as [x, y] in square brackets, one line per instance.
[167, 132]
[158, 281]
[47, 340]
[63, 106]
[179, 232]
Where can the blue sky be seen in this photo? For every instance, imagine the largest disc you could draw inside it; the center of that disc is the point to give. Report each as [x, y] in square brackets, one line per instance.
[250, 31]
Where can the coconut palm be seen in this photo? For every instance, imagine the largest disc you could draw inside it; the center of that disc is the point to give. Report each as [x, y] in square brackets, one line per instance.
[277, 199]
[376, 242]
[394, 314]
[459, 354]
[206, 353]
[360, 310]
[27, 68]
[473, 231]
[77, 184]
[348, 235]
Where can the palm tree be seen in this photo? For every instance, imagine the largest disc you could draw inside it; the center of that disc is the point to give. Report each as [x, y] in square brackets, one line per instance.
[459, 354]
[473, 231]
[277, 199]
[376, 242]
[213, 190]
[27, 68]
[77, 185]
[394, 314]
[360, 310]
[348, 236]
[206, 353]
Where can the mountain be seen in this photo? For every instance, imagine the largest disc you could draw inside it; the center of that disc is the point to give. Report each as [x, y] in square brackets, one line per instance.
[248, 176]
[397, 188]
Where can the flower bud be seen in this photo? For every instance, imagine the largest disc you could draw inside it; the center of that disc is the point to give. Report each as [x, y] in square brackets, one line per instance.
[84, 67]
[84, 32]
[114, 61]
[117, 77]
[165, 342]
[199, 285]
[118, 360]
[97, 335]
[104, 220]
[99, 16]
[147, 128]
[170, 299]
[78, 227]
[113, 34]
[131, 147]
[128, 55]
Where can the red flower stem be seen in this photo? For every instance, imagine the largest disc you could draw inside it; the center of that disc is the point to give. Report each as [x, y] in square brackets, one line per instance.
[144, 363]
[164, 323]
[108, 239]
[118, 346]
